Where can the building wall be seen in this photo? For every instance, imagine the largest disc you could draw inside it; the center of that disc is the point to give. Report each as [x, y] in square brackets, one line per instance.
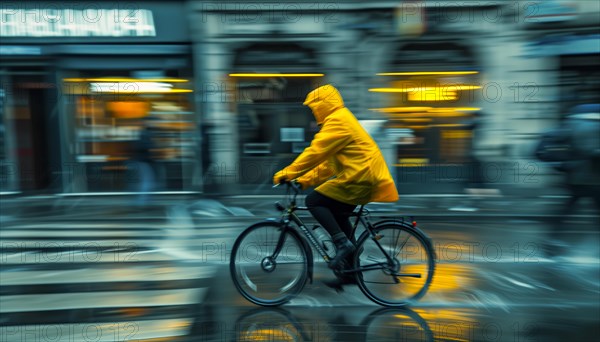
[520, 95]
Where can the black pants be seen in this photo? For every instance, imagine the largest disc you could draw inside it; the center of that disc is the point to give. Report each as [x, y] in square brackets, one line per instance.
[581, 191]
[577, 192]
[331, 214]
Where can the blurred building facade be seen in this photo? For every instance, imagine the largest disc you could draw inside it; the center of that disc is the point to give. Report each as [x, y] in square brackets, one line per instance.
[442, 83]
[77, 82]
[464, 88]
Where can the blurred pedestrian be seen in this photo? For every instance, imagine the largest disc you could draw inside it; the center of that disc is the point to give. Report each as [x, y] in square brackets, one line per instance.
[583, 171]
[143, 162]
[348, 167]
[475, 183]
[576, 152]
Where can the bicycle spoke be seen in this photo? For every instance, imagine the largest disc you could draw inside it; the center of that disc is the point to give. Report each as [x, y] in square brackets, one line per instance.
[370, 257]
[372, 267]
[268, 268]
[396, 243]
[402, 247]
[389, 271]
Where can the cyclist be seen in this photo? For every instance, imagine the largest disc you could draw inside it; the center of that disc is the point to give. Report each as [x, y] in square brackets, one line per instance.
[348, 167]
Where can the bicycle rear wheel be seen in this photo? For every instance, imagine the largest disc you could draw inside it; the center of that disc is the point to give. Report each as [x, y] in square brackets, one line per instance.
[403, 278]
[263, 276]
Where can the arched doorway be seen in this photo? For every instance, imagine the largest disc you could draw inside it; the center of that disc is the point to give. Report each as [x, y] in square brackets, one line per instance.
[271, 82]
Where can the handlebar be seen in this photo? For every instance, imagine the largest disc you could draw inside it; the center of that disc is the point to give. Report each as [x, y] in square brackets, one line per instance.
[290, 185]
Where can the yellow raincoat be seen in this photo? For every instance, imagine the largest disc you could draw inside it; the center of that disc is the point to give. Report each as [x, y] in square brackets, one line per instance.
[344, 150]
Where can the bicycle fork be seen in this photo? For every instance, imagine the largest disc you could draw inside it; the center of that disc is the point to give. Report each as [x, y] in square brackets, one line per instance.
[285, 230]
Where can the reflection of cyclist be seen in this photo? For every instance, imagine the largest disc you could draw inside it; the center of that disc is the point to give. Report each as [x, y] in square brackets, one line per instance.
[347, 164]
[298, 324]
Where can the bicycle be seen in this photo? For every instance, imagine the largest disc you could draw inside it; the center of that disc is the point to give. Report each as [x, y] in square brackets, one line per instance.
[279, 253]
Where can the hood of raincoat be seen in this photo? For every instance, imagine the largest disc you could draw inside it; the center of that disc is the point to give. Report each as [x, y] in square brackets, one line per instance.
[343, 161]
[324, 101]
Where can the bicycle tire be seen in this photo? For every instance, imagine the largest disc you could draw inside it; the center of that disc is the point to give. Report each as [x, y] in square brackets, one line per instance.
[368, 250]
[269, 324]
[296, 255]
[399, 324]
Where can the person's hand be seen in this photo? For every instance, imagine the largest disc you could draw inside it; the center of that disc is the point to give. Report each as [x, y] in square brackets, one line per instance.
[299, 184]
[280, 177]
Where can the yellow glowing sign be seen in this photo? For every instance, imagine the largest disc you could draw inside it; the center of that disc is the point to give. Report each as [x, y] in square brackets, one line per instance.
[428, 73]
[429, 94]
[275, 75]
[450, 87]
[401, 109]
[432, 95]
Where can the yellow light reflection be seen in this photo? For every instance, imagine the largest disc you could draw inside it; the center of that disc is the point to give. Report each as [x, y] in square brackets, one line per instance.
[450, 278]
[427, 73]
[457, 134]
[276, 75]
[412, 162]
[449, 325]
[268, 335]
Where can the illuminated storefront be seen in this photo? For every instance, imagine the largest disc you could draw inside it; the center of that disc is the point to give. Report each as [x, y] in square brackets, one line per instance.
[85, 83]
[110, 116]
[431, 108]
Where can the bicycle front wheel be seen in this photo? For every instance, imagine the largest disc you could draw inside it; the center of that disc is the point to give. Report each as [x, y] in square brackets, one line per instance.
[268, 264]
[396, 265]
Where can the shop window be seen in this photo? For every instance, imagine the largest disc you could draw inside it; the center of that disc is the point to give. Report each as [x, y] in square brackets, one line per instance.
[114, 116]
[430, 99]
[434, 107]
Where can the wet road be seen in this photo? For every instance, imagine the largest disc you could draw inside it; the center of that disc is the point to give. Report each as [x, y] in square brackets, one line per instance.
[164, 277]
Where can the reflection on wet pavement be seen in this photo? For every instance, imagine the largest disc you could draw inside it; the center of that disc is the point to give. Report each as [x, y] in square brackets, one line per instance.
[167, 281]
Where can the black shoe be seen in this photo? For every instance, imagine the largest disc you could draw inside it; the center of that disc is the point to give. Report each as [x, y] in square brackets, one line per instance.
[343, 249]
[338, 283]
[335, 284]
[348, 280]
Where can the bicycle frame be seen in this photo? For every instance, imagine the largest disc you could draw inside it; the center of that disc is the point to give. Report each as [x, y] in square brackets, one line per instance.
[378, 249]
[287, 218]
[290, 216]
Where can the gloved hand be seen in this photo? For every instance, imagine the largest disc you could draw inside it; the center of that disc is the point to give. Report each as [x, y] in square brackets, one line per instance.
[280, 176]
[299, 184]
